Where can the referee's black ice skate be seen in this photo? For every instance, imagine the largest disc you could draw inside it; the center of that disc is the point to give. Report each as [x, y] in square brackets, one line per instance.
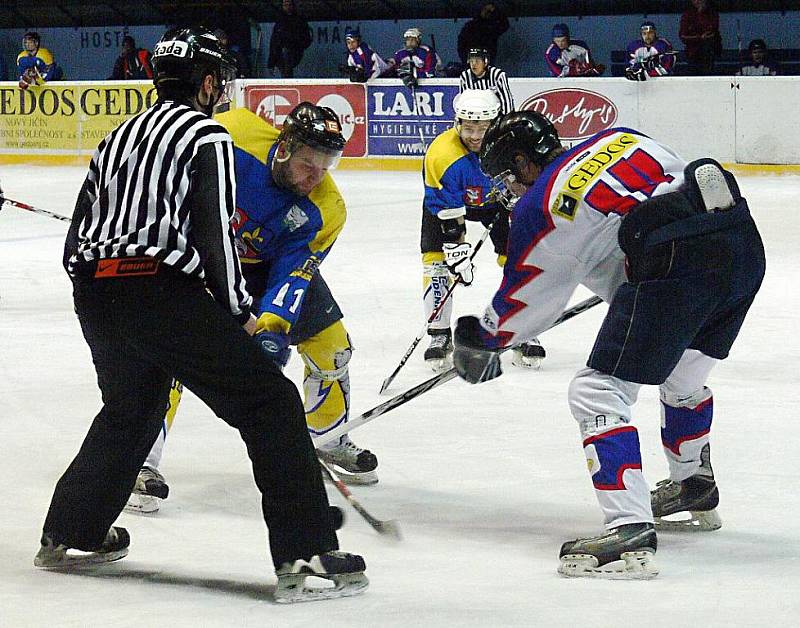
[354, 465]
[148, 492]
[528, 354]
[439, 353]
[694, 500]
[622, 553]
[55, 555]
[345, 571]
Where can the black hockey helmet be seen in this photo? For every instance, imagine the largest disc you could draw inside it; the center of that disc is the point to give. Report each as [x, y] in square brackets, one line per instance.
[314, 126]
[525, 132]
[187, 55]
[480, 53]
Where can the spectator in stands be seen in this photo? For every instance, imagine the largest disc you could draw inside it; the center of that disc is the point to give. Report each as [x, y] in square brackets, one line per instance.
[570, 57]
[291, 36]
[416, 60]
[759, 65]
[132, 63]
[242, 63]
[35, 65]
[481, 75]
[482, 32]
[362, 63]
[700, 34]
[650, 55]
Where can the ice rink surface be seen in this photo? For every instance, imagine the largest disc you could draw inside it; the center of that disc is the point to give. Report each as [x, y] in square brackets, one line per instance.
[486, 481]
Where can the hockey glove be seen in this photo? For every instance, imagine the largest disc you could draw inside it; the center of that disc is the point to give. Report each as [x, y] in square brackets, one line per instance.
[473, 361]
[276, 346]
[457, 257]
[635, 73]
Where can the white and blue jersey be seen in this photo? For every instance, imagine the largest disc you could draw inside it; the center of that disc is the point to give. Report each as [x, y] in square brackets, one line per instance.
[565, 229]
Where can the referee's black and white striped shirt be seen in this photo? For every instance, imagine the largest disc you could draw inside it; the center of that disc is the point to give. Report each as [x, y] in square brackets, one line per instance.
[494, 79]
[162, 185]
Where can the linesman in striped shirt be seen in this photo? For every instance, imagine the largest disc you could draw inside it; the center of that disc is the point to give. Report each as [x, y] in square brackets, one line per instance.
[159, 294]
[481, 75]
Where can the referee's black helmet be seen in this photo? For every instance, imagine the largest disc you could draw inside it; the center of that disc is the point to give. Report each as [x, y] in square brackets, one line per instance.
[187, 55]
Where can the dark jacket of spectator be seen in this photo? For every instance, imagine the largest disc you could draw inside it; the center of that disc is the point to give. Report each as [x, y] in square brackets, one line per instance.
[242, 63]
[132, 63]
[290, 38]
[482, 32]
[699, 32]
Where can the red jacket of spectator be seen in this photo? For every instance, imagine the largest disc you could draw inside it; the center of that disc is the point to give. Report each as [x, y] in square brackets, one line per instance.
[697, 27]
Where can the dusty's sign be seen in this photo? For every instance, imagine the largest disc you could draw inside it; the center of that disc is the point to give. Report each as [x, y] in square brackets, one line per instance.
[576, 113]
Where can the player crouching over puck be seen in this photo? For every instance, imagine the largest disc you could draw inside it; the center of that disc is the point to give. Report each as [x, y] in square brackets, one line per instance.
[673, 249]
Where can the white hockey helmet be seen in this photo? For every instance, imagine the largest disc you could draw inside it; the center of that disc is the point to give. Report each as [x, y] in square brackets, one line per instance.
[476, 104]
[413, 32]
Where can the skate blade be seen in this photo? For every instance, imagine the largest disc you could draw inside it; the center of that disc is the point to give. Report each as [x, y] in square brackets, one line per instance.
[292, 587]
[527, 363]
[638, 565]
[439, 365]
[354, 479]
[140, 504]
[698, 521]
[55, 560]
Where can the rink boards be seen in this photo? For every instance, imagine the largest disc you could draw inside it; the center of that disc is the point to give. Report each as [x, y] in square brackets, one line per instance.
[745, 120]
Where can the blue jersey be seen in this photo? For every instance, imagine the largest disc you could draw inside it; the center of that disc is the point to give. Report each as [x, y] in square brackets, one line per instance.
[453, 178]
[423, 58]
[291, 235]
[641, 55]
[39, 66]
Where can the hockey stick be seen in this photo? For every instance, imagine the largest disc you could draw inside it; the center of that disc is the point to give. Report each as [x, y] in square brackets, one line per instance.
[386, 528]
[435, 313]
[433, 382]
[35, 210]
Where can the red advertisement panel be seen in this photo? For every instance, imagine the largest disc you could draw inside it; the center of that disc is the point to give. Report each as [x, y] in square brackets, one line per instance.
[575, 112]
[348, 101]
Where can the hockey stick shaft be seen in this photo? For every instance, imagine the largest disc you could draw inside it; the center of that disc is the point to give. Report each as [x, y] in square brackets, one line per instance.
[387, 382]
[35, 210]
[433, 382]
[381, 527]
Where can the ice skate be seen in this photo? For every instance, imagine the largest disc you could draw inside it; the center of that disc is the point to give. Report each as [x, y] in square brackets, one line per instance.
[353, 464]
[439, 353]
[55, 555]
[693, 501]
[528, 355]
[149, 490]
[345, 573]
[622, 553]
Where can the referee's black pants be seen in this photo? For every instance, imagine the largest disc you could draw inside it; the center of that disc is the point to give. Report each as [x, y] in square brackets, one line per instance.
[142, 331]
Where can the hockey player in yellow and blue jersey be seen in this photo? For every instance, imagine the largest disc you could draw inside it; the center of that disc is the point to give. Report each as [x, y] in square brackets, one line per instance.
[289, 213]
[456, 190]
[35, 65]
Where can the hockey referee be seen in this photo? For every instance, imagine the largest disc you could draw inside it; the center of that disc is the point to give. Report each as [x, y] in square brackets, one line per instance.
[481, 75]
[159, 293]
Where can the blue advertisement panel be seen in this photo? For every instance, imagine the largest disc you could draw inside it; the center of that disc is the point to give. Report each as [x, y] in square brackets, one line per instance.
[400, 125]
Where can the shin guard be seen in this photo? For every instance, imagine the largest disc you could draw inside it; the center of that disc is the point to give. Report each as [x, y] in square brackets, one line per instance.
[685, 430]
[435, 283]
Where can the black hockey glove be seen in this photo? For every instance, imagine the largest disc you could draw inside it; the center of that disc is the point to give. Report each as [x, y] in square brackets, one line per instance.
[407, 74]
[636, 73]
[473, 361]
[276, 346]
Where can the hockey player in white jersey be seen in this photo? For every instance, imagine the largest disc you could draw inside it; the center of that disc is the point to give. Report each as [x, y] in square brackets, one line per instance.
[673, 249]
